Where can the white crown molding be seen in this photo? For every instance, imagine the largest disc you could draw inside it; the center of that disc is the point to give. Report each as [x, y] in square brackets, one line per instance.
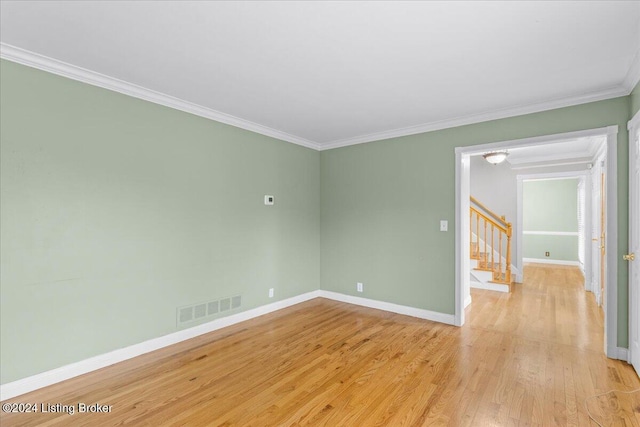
[41, 62]
[633, 75]
[51, 65]
[602, 95]
[536, 140]
[551, 176]
[550, 164]
[585, 157]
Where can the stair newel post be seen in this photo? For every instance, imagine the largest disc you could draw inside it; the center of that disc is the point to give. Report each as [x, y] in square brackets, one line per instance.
[508, 272]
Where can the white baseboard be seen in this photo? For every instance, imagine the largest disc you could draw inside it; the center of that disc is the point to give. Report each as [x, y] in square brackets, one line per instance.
[34, 382]
[551, 261]
[489, 286]
[516, 274]
[618, 353]
[387, 306]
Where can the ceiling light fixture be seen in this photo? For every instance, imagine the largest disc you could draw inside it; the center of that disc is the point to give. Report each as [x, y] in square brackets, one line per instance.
[495, 157]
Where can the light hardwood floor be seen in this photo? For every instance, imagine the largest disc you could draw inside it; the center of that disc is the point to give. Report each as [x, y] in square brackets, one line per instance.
[531, 357]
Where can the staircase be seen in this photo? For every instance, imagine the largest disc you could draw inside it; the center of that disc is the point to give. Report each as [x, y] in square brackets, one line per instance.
[490, 249]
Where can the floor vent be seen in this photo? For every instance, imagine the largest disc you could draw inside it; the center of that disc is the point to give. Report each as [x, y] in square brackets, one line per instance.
[201, 310]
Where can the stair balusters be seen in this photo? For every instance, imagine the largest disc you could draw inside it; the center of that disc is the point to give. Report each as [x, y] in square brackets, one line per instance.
[489, 230]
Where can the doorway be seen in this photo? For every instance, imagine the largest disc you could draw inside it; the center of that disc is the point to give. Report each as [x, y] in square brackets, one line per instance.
[554, 222]
[463, 172]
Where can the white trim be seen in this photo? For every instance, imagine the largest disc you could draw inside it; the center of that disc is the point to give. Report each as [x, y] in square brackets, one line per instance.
[633, 75]
[553, 176]
[613, 92]
[634, 299]
[54, 66]
[462, 233]
[462, 286]
[34, 382]
[535, 140]
[611, 243]
[498, 287]
[550, 158]
[51, 65]
[549, 164]
[621, 353]
[467, 301]
[387, 306]
[635, 121]
[552, 233]
[551, 261]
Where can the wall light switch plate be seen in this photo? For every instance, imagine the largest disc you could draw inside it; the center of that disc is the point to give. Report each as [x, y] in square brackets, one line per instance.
[270, 292]
[269, 200]
[444, 225]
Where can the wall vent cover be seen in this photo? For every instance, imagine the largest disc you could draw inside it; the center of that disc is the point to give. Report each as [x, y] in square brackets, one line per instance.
[203, 310]
[185, 314]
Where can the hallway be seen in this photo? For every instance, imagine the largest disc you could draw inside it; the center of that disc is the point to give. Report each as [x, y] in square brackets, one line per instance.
[547, 352]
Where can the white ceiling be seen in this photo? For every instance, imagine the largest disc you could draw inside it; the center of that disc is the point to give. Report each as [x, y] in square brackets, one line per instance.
[327, 74]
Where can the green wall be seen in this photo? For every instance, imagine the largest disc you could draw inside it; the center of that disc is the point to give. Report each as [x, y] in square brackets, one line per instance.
[116, 211]
[381, 204]
[550, 205]
[560, 248]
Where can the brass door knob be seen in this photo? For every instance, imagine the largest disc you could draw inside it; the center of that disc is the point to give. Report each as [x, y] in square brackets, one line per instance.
[629, 257]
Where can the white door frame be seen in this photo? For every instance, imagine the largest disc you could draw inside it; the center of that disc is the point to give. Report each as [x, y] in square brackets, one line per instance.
[462, 179]
[580, 175]
[634, 295]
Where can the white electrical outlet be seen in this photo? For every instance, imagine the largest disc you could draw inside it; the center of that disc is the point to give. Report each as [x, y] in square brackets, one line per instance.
[444, 225]
[359, 287]
[270, 292]
[269, 200]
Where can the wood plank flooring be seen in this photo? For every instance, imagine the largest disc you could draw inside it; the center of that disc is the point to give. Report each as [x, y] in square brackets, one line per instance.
[528, 358]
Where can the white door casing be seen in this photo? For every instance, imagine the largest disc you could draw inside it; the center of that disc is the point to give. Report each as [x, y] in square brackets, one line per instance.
[462, 177]
[634, 241]
[582, 220]
[597, 172]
